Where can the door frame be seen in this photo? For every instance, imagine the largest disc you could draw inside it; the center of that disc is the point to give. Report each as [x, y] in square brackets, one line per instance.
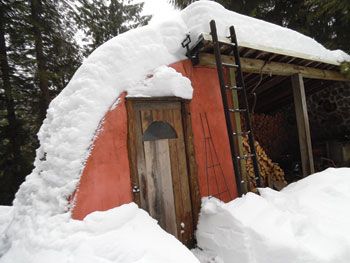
[189, 148]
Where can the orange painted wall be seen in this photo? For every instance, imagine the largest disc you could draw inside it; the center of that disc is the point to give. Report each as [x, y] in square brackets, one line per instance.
[105, 182]
[207, 103]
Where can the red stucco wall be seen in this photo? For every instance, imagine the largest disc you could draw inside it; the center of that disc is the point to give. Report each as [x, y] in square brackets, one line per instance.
[105, 182]
[207, 102]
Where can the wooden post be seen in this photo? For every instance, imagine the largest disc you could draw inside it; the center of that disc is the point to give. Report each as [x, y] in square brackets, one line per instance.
[303, 125]
[237, 127]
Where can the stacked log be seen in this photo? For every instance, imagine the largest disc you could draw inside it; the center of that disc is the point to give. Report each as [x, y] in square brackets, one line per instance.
[271, 173]
[270, 131]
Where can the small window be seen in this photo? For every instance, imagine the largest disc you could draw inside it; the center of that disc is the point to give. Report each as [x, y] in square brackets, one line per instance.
[159, 130]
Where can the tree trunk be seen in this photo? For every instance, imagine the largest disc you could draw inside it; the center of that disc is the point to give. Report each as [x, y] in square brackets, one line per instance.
[41, 75]
[9, 102]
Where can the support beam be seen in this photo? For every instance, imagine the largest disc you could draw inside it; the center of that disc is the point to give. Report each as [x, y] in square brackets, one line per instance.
[303, 125]
[237, 128]
[274, 68]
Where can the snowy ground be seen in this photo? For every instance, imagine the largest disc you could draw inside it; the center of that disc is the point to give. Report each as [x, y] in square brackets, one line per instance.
[307, 222]
[125, 234]
[39, 229]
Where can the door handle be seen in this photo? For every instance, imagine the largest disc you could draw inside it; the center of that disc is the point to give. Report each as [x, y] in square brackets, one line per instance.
[136, 189]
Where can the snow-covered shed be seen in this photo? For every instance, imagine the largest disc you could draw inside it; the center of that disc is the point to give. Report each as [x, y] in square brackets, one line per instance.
[165, 151]
[140, 122]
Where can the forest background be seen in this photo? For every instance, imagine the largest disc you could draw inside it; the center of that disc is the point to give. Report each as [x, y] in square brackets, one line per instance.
[39, 54]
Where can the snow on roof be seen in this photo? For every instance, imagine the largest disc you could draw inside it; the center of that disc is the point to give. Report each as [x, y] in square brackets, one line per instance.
[258, 34]
[122, 64]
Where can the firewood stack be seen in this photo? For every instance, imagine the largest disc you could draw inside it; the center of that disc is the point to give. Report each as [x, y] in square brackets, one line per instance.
[271, 173]
[270, 131]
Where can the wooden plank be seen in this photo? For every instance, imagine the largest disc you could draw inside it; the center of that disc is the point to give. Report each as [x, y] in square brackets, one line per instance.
[158, 179]
[152, 199]
[290, 59]
[303, 125]
[140, 159]
[156, 99]
[147, 199]
[187, 221]
[157, 105]
[284, 69]
[175, 173]
[165, 186]
[261, 54]
[274, 68]
[176, 185]
[237, 127]
[132, 152]
[192, 164]
[246, 52]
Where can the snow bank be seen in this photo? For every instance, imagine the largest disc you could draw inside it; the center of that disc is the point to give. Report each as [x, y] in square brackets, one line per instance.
[124, 234]
[307, 221]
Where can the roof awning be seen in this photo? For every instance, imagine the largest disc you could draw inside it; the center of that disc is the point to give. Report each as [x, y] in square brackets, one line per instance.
[268, 70]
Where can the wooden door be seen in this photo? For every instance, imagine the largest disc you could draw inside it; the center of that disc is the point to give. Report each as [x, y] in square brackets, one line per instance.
[163, 181]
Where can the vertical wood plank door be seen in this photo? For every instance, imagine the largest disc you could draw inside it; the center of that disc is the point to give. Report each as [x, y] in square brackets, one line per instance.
[162, 167]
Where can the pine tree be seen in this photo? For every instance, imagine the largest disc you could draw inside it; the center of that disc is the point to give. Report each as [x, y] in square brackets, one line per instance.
[101, 20]
[38, 57]
[331, 22]
[250, 7]
[57, 54]
[13, 164]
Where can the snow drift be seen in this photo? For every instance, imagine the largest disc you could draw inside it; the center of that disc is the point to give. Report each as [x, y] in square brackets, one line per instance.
[124, 234]
[308, 221]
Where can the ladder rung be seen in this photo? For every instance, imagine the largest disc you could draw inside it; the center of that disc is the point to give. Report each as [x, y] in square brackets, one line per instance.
[227, 43]
[237, 110]
[232, 47]
[230, 65]
[233, 88]
[240, 133]
[251, 180]
[243, 157]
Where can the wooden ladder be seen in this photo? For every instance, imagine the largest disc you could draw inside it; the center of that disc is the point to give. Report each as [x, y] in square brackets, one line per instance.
[236, 158]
